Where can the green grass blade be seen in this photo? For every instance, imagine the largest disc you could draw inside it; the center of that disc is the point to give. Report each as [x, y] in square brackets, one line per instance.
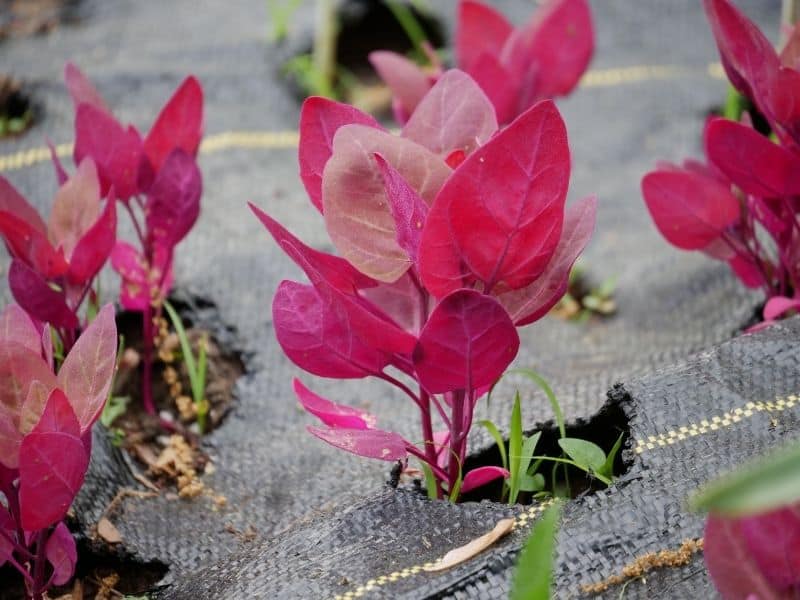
[608, 467]
[533, 575]
[430, 482]
[498, 439]
[186, 348]
[540, 381]
[515, 449]
[410, 25]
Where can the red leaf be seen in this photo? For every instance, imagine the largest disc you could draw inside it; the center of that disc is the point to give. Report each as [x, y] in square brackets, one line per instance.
[179, 125]
[370, 443]
[530, 303]
[468, 342]
[408, 209]
[94, 247]
[332, 414]
[320, 119]
[357, 216]
[31, 246]
[62, 554]
[746, 271]
[481, 476]
[454, 115]
[690, 210]
[58, 416]
[730, 563]
[173, 201]
[512, 190]
[405, 79]
[87, 371]
[81, 89]
[498, 84]
[116, 152]
[52, 466]
[9, 527]
[76, 208]
[39, 300]
[753, 162]
[337, 271]
[11, 201]
[480, 30]
[774, 541]
[318, 337]
[17, 326]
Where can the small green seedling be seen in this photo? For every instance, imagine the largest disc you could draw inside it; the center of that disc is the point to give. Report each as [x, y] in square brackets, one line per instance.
[196, 368]
[533, 576]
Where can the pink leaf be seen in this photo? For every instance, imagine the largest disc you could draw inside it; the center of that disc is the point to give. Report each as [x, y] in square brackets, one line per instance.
[94, 247]
[136, 292]
[179, 125]
[62, 554]
[30, 414]
[405, 79]
[480, 30]
[173, 201]
[87, 371]
[408, 209]
[317, 336]
[17, 326]
[332, 414]
[58, 416]
[357, 216]
[512, 190]
[468, 342]
[11, 201]
[774, 541]
[690, 210]
[116, 152]
[40, 300]
[31, 246]
[81, 89]
[753, 162]
[370, 443]
[454, 115]
[481, 476]
[790, 55]
[400, 300]
[730, 563]
[10, 439]
[530, 303]
[320, 119]
[75, 209]
[337, 271]
[778, 306]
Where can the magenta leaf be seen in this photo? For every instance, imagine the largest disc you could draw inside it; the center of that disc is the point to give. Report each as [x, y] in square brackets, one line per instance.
[408, 82]
[81, 89]
[480, 30]
[454, 115]
[498, 84]
[76, 208]
[731, 564]
[173, 201]
[778, 306]
[11, 201]
[332, 414]
[512, 190]
[117, 152]
[370, 443]
[36, 402]
[40, 300]
[774, 541]
[17, 326]
[530, 303]
[338, 272]
[746, 271]
[94, 247]
[408, 209]
[357, 216]
[468, 342]
[317, 336]
[87, 371]
[62, 554]
[690, 210]
[135, 290]
[753, 162]
[58, 416]
[179, 125]
[320, 119]
[31, 246]
[481, 476]
[10, 439]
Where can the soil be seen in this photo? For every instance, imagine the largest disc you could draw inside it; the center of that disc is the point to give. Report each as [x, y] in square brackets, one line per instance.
[16, 107]
[23, 18]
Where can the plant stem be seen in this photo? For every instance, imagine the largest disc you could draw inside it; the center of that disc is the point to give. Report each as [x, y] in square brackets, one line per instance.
[427, 433]
[147, 360]
[39, 563]
[136, 225]
[324, 53]
[455, 438]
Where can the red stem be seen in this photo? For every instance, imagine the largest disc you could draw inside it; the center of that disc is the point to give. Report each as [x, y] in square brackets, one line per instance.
[455, 438]
[39, 562]
[147, 360]
[427, 435]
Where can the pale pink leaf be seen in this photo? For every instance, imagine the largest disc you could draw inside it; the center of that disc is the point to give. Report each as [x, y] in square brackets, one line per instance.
[76, 208]
[369, 443]
[332, 414]
[407, 81]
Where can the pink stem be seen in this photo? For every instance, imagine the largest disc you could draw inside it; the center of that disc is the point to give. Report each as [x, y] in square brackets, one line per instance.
[147, 360]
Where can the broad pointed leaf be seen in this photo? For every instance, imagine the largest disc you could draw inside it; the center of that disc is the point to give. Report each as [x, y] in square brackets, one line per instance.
[40, 300]
[511, 190]
[357, 215]
[36, 401]
[17, 326]
[76, 208]
[468, 342]
[480, 29]
[173, 201]
[332, 414]
[94, 247]
[498, 84]
[87, 371]
[369, 443]
[320, 119]
[31, 246]
[81, 89]
[454, 115]
[481, 476]
[62, 554]
[57, 415]
[179, 125]
[586, 454]
[11, 201]
[408, 82]
[774, 541]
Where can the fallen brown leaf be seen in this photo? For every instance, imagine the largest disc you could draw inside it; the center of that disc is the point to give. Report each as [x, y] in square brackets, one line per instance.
[108, 532]
[473, 548]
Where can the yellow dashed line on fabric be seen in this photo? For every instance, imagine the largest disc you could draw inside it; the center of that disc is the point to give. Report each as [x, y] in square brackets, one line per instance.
[714, 423]
[282, 140]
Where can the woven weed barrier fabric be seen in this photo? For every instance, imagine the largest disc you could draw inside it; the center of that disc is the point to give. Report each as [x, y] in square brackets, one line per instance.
[304, 520]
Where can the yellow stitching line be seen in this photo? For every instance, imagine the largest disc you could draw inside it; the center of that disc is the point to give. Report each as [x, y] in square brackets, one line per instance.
[278, 140]
[717, 422]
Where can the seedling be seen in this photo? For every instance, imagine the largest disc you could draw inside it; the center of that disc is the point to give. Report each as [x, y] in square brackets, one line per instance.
[45, 440]
[414, 288]
[158, 183]
[196, 368]
[515, 67]
[533, 575]
[740, 207]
